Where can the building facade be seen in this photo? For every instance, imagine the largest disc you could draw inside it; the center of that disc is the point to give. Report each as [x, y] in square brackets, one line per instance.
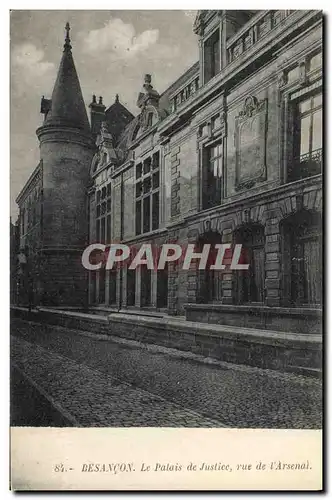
[230, 153]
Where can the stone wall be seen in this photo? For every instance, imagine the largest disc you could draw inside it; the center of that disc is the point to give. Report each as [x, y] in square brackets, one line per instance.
[269, 212]
[258, 348]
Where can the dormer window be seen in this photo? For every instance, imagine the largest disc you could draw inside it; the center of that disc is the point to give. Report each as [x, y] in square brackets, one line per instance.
[212, 64]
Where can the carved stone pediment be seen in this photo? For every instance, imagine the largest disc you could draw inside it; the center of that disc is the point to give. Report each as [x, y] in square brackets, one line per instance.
[198, 26]
[105, 153]
[250, 143]
[149, 96]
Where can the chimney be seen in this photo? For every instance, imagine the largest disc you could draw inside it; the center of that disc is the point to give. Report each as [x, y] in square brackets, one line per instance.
[97, 114]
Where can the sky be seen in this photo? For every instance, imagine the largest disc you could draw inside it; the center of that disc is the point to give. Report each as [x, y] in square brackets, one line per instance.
[112, 51]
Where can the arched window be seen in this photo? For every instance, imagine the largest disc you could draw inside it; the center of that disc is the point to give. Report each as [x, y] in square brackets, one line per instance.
[302, 259]
[250, 283]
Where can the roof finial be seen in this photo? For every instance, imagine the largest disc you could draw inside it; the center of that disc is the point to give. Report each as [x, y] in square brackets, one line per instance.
[67, 45]
[116, 97]
[147, 83]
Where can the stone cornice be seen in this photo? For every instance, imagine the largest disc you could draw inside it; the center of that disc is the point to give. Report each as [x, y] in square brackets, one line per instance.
[33, 179]
[272, 40]
[61, 249]
[268, 196]
[51, 133]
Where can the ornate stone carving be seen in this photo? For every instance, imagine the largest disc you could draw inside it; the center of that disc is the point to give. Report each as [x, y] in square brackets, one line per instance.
[207, 225]
[200, 131]
[299, 202]
[251, 106]
[303, 79]
[246, 216]
[198, 26]
[149, 96]
[250, 143]
[282, 78]
[106, 152]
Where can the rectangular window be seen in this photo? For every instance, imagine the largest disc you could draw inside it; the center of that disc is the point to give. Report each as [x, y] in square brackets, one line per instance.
[98, 231]
[138, 217]
[138, 170]
[112, 287]
[101, 296]
[147, 185]
[145, 287]
[212, 176]
[302, 260]
[147, 165]
[250, 283]
[147, 195]
[162, 287]
[23, 221]
[109, 229]
[155, 180]
[131, 287]
[308, 138]
[102, 230]
[155, 210]
[155, 161]
[103, 214]
[212, 56]
[146, 215]
[138, 189]
[93, 290]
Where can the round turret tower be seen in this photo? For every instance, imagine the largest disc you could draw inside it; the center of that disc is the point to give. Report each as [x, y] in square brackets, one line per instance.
[66, 151]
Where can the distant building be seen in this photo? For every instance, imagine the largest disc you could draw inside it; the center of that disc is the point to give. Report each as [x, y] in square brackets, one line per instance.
[230, 153]
[14, 250]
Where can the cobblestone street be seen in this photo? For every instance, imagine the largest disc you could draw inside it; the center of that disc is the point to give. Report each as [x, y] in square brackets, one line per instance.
[94, 380]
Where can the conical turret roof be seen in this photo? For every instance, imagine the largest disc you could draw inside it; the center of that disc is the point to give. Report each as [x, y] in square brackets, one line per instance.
[67, 108]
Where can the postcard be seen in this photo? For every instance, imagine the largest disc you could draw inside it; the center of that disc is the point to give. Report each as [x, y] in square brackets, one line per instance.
[166, 272]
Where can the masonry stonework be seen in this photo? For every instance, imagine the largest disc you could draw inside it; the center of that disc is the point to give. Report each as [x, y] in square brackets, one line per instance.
[212, 159]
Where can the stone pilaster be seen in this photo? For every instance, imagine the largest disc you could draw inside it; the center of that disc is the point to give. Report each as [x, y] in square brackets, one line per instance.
[272, 262]
[175, 181]
[124, 286]
[227, 274]
[172, 280]
[192, 276]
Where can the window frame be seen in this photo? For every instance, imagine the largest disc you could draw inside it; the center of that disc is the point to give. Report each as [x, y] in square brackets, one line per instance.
[295, 118]
[246, 235]
[290, 94]
[206, 162]
[145, 173]
[104, 218]
[296, 230]
[212, 39]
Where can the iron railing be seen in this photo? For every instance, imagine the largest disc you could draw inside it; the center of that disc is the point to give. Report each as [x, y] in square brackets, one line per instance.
[306, 165]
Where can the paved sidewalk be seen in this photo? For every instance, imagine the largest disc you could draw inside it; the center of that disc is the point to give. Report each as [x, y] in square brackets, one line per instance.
[235, 396]
[92, 399]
